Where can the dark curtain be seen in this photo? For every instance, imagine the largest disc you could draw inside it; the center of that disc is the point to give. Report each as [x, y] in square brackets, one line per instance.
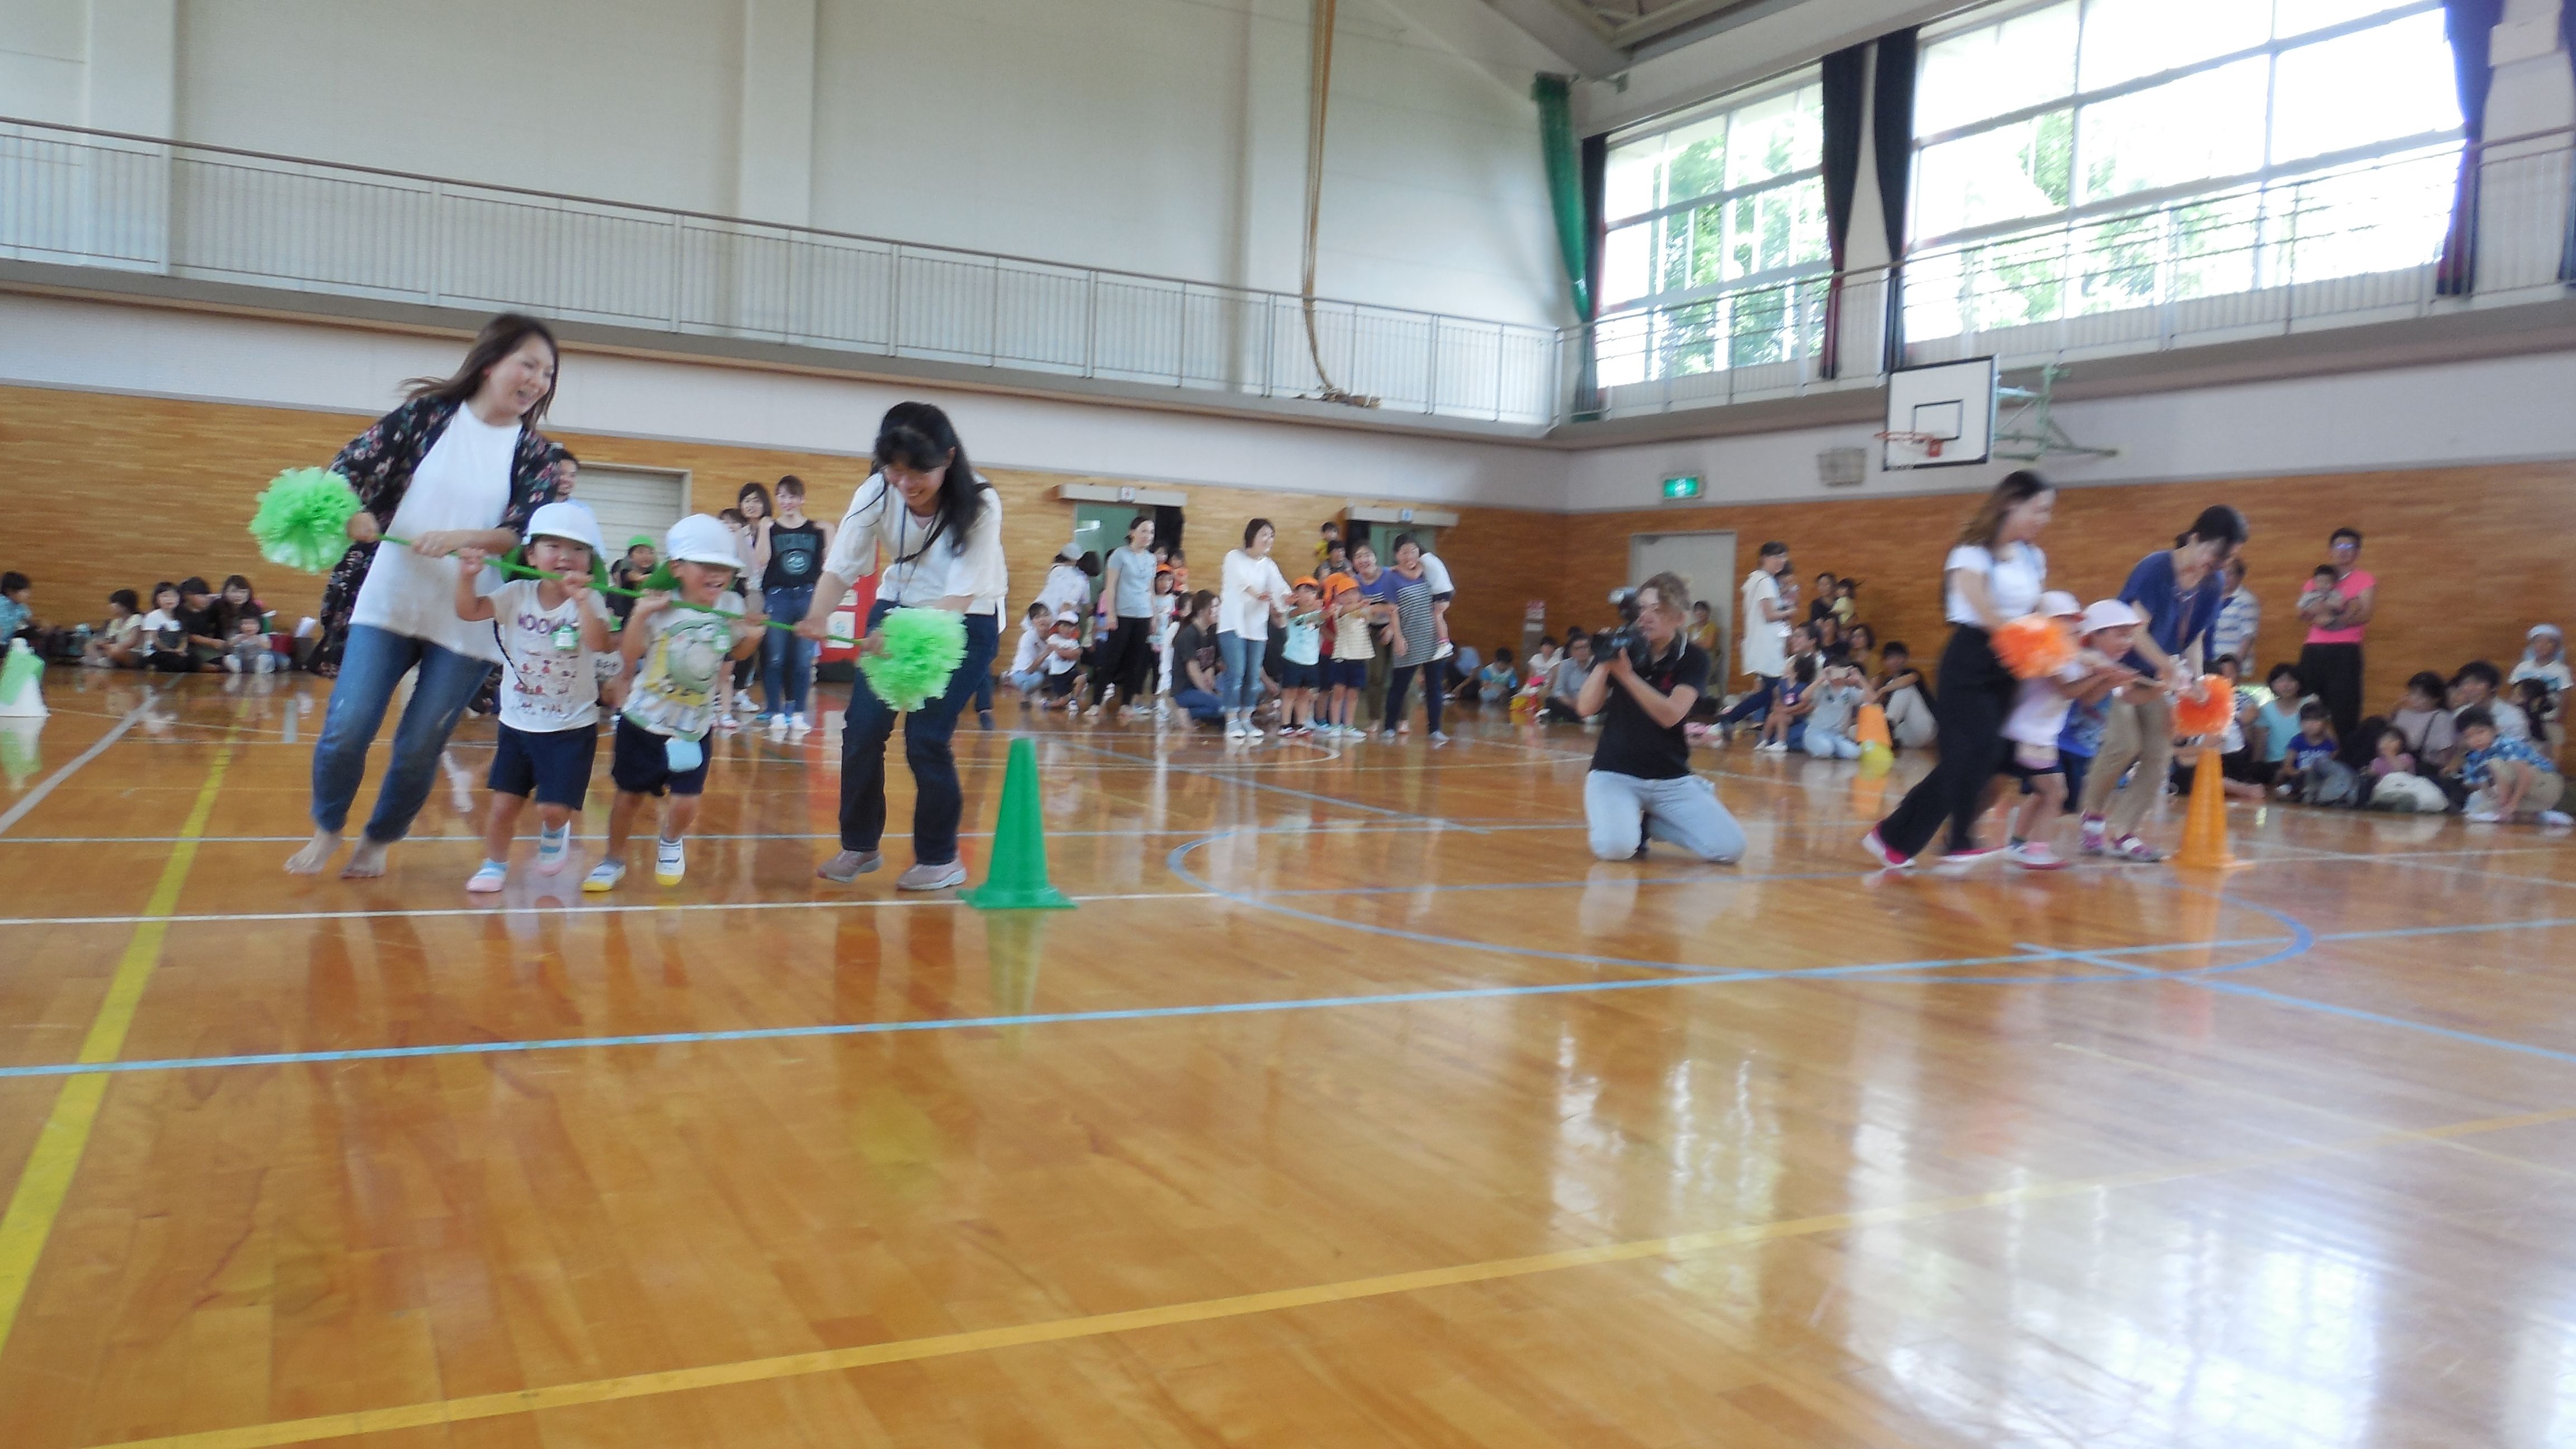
[1564, 163]
[2567, 252]
[1892, 134]
[2468, 23]
[1596, 238]
[1846, 73]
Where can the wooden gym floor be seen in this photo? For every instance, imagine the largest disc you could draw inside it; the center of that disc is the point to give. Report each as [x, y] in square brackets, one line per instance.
[1355, 1106]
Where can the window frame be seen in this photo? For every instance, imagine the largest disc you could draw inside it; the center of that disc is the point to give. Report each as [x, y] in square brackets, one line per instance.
[2076, 100]
[1786, 83]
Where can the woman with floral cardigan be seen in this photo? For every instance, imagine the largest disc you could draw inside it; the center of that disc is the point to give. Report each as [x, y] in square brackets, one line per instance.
[461, 465]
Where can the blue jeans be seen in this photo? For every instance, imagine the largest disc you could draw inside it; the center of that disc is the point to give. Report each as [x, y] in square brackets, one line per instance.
[786, 658]
[371, 664]
[937, 802]
[1239, 685]
[1201, 705]
[1623, 811]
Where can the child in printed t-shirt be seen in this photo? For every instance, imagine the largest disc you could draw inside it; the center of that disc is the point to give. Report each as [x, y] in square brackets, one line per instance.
[677, 657]
[2309, 752]
[1028, 661]
[2043, 712]
[1352, 651]
[1301, 672]
[2513, 780]
[551, 632]
[1498, 681]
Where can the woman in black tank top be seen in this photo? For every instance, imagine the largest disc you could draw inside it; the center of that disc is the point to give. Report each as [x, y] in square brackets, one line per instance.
[795, 555]
[790, 553]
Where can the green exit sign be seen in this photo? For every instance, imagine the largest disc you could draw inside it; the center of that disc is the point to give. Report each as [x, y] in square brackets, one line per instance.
[1685, 485]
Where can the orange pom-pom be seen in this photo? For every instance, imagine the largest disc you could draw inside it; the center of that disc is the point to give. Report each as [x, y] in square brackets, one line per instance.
[2210, 715]
[2034, 645]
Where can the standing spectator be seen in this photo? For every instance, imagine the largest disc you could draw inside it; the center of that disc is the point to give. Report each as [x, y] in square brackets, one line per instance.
[1766, 634]
[2177, 593]
[1414, 642]
[791, 550]
[1994, 573]
[1127, 590]
[630, 572]
[1253, 591]
[1377, 588]
[2240, 617]
[2332, 661]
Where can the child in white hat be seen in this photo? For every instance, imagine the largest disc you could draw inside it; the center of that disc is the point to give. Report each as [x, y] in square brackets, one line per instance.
[2103, 634]
[553, 632]
[677, 655]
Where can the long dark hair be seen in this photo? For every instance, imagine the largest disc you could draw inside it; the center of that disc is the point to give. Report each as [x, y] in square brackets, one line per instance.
[1987, 525]
[499, 338]
[754, 490]
[918, 436]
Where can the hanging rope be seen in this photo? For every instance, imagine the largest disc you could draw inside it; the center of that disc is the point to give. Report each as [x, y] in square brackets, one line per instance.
[1319, 89]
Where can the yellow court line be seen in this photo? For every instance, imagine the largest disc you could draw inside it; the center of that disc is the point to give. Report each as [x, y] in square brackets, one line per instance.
[47, 1178]
[761, 1370]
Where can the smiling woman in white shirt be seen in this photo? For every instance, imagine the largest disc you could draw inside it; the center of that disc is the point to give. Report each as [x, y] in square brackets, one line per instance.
[936, 530]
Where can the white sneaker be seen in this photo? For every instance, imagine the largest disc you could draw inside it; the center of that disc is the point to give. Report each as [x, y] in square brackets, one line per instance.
[489, 877]
[2035, 855]
[777, 726]
[670, 861]
[2485, 817]
[1234, 729]
[798, 724]
[554, 847]
[603, 877]
[727, 722]
[2557, 819]
[927, 877]
[1439, 738]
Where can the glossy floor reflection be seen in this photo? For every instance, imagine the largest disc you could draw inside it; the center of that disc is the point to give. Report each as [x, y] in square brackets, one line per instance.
[1355, 1106]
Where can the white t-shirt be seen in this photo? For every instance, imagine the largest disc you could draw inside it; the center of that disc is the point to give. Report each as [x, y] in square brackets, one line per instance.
[920, 569]
[1066, 587]
[1238, 611]
[1032, 650]
[2014, 581]
[462, 483]
[549, 681]
[1063, 653]
[2040, 709]
[1766, 641]
[1438, 573]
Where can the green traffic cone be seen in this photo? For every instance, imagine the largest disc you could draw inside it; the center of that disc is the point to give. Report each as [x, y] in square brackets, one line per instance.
[1017, 879]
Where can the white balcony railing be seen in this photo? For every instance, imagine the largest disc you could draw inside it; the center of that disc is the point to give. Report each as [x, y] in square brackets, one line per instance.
[2340, 247]
[91, 198]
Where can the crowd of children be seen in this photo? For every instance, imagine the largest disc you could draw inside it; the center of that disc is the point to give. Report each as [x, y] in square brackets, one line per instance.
[189, 628]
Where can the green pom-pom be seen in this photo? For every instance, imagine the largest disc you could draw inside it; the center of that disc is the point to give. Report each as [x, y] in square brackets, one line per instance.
[303, 519]
[923, 648]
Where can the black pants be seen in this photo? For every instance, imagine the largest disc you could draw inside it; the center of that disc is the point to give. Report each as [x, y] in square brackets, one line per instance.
[1124, 657]
[1976, 696]
[1756, 702]
[1435, 688]
[2333, 673]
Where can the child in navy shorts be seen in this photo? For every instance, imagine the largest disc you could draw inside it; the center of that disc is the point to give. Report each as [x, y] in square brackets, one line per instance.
[551, 631]
[1301, 669]
[678, 656]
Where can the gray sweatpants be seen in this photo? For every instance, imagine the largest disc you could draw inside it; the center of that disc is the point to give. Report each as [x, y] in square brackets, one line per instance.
[1623, 810]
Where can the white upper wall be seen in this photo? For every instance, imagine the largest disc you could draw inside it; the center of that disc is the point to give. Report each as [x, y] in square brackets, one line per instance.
[104, 347]
[1163, 136]
[2492, 410]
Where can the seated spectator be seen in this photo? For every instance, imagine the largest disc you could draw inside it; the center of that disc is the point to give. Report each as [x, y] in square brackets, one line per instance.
[18, 613]
[1831, 647]
[2534, 698]
[1565, 682]
[2309, 770]
[1498, 681]
[2544, 657]
[1063, 662]
[2236, 764]
[118, 644]
[1833, 707]
[2475, 687]
[1543, 660]
[2423, 725]
[2510, 779]
[1703, 628]
[165, 638]
[1906, 698]
[203, 622]
[1785, 727]
[2275, 724]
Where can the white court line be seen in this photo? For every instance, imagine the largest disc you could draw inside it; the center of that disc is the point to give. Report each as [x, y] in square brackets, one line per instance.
[567, 911]
[35, 797]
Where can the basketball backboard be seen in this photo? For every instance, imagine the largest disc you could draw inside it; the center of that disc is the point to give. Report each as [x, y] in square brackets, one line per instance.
[1940, 416]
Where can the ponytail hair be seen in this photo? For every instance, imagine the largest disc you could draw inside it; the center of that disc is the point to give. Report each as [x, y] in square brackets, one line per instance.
[918, 436]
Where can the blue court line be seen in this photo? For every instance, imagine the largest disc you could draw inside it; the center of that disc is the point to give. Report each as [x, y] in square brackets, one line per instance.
[2239, 988]
[1136, 1013]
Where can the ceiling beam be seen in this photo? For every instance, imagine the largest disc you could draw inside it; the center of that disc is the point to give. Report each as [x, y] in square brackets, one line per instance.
[1578, 43]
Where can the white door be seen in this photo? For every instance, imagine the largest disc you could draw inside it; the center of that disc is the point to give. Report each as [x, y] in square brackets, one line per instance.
[1707, 562]
[631, 501]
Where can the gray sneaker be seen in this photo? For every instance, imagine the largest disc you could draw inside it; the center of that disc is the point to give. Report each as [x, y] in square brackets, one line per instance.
[928, 877]
[849, 865]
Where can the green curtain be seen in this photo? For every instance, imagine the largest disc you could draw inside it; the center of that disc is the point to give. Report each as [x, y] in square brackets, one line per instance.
[1555, 97]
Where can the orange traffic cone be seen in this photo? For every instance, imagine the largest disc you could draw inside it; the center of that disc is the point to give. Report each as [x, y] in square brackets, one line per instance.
[2204, 826]
[1871, 728]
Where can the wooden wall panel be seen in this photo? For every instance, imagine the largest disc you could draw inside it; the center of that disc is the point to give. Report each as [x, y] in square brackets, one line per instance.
[2467, 558]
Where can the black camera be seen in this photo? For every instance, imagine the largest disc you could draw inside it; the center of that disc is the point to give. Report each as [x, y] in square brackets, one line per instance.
[1625, 639]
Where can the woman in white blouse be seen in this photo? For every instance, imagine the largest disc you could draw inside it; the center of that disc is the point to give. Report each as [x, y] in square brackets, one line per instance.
[936, 530]
[1252, 590]
[1994, 574]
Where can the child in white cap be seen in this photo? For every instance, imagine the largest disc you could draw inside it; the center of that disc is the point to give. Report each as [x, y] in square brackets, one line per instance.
[552, 632]
[677, 655]
[2103, 635]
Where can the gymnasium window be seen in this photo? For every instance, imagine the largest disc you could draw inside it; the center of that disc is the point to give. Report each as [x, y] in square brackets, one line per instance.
[2090, 156]
[1716, 251]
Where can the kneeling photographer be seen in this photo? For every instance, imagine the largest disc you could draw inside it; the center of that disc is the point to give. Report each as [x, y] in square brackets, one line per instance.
[1647, 677]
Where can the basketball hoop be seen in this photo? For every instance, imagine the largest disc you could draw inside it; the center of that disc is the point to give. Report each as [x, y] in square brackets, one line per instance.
[1928, 444]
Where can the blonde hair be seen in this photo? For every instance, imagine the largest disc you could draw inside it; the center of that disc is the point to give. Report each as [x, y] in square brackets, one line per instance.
[1671, 590]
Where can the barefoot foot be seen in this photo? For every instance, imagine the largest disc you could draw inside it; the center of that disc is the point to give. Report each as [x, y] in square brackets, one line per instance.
[316, 854]
[367, 861]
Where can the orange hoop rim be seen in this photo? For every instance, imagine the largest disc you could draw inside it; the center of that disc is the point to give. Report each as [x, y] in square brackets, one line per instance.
[1930, 443]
